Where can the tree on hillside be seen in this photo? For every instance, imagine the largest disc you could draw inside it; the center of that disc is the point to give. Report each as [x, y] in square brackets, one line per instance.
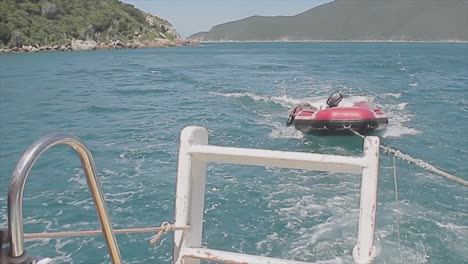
[5, 33]
[100, 21]
[17, 39]
[50, 10]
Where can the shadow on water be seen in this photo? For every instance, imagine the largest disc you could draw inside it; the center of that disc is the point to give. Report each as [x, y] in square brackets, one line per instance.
[343, 144]
[339, 145]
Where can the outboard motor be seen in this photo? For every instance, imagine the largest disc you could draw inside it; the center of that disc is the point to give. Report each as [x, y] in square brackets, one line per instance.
[334, 99]
[291, 117]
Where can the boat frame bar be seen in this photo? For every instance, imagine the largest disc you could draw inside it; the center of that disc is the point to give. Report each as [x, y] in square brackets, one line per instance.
[195, 153]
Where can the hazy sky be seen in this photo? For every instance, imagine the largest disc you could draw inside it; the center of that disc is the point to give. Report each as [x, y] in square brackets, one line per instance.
[192, 16]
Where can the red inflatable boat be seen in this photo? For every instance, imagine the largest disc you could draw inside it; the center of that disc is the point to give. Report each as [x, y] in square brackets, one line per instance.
[363, 117]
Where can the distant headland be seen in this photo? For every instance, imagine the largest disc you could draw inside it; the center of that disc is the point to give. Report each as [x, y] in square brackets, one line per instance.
[354, 20]
[66, 25]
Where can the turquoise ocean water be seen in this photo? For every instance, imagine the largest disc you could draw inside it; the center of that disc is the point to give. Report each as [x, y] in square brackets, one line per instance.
[129, 107]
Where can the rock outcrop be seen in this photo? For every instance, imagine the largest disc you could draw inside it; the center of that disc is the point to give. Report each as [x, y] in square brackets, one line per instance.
[83, 44]
[76, 45]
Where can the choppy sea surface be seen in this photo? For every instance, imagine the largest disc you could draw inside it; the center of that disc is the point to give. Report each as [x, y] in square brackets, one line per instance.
[129, 107]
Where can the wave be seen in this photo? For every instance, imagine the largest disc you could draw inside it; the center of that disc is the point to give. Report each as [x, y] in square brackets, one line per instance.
[395, 95]
[245, 94]
[101, 109]
[274, 67]
[140, 91]
[286, 101]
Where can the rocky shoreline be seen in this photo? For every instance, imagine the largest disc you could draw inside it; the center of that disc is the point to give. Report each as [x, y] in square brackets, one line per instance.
[75, 45]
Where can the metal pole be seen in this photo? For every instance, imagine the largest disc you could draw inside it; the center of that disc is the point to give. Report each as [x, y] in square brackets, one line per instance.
[18, 180]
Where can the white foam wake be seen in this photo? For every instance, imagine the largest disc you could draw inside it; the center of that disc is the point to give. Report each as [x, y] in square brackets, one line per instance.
[281, 100]
[281, 131]
[395, 95]
[398, 117]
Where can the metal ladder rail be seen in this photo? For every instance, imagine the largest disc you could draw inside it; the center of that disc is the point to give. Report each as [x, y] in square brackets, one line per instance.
[18, 180]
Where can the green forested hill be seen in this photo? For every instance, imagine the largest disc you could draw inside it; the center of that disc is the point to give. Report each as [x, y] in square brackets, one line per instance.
[56, 22]
[413, 20]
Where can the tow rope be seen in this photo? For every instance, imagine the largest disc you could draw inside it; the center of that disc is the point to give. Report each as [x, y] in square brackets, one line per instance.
[418, 162]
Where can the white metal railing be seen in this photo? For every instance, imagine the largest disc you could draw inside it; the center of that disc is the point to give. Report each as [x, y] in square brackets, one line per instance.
[195, 153]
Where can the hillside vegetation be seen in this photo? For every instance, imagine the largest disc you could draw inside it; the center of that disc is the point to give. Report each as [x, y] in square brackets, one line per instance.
[412, 20]
[57, 22]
